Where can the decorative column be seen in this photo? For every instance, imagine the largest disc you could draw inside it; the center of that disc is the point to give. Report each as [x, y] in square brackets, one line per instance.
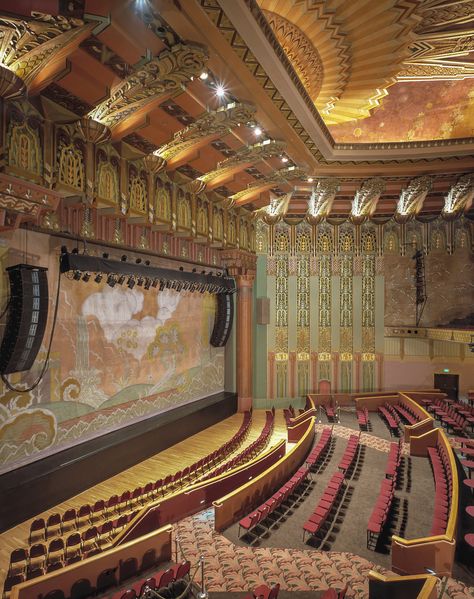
[242, 266]
[357, 364]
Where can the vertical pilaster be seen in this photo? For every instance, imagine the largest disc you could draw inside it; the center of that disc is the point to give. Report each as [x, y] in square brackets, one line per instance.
[242, 266]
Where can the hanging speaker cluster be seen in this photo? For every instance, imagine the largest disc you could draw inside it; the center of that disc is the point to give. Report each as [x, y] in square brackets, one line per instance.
[223, 320]
[26, 318]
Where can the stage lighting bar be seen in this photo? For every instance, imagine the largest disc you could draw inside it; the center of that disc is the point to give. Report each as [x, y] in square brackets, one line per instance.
[143, 274]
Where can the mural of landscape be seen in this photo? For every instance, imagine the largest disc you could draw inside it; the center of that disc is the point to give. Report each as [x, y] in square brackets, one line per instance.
[118, 356]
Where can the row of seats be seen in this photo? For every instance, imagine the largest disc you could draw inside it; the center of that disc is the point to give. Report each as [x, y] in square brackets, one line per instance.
[107, 579]
[330, 497]
[442, 474]
[320, 449]
[330, 413]
[363, 418]
[325, 506]
[249, 452]
[390, 420]
[453, 418]
[159, 583]
[39, 559]
[407, 413]
[380, 512]
[72, 519]
[350, 453]
[394, 460]
[270, 506]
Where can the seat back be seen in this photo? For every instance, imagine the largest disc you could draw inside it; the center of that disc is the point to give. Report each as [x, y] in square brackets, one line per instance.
[274, 591]
[166, 578]
[81, 589]
[128, 568]
[148, 559]
[56, 594]
[106, 579]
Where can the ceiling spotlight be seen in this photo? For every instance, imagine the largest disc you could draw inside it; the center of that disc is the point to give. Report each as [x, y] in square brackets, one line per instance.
[121, 279]
[181, 268]
[86, 276]
[105, 255]
[131, 282]
[203, 272]
[147, 263]
[220, 91]
[310, 179]
[75, 251]
[98, 277]
[77, 275]
[123, 258]
[194, 270]
[258, 131]
[111, 281]
[284, 159]
[204, 75]
[138, 260]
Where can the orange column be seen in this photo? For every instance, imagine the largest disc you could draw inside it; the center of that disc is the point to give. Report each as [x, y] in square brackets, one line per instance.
[242, 266]
[244, 341]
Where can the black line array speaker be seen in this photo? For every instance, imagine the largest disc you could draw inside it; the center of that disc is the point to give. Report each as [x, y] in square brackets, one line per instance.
[26, 319]
[223, 320]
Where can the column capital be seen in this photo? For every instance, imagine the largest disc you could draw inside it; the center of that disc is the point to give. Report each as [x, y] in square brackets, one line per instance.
[240, 262]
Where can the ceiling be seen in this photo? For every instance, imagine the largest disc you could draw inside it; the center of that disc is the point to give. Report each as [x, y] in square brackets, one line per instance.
[358, 96]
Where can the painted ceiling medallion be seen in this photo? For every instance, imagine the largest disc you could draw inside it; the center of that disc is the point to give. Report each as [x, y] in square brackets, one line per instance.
[299, 49]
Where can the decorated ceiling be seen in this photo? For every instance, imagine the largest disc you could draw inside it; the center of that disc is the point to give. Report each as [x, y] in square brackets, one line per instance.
[346, 108]
[355, 59]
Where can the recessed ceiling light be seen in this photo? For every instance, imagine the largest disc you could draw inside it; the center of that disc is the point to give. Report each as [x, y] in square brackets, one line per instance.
[257, 131]
[310, 179]
[220, 91]
[284, 159]
[204, 75]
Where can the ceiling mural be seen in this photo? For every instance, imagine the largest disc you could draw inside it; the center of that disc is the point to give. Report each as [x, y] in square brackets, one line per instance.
[415, 111]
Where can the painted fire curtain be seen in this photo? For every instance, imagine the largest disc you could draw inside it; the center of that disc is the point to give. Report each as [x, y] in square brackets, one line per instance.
[119, 355]
[324, 306]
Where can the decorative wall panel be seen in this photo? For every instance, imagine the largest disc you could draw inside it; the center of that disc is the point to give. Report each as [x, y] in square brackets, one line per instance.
[119, 355]
[281, 324]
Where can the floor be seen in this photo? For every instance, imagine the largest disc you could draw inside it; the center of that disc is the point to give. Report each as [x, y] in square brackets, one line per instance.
[235, 567]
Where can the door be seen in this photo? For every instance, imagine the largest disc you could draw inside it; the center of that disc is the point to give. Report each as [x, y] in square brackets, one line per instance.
[449, 383]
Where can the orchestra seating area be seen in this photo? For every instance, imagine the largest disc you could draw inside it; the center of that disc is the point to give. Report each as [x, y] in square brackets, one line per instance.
[64, 539]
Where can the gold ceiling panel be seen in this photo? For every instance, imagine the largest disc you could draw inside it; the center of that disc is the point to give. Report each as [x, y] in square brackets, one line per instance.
[362, 46]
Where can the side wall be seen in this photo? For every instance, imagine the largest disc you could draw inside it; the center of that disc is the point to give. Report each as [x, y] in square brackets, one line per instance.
[333, 287]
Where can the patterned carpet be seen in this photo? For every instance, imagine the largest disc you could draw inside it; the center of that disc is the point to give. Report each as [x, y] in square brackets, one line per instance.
[229, 568]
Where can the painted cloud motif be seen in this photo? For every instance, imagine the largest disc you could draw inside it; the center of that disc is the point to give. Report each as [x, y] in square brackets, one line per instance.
[115, 308]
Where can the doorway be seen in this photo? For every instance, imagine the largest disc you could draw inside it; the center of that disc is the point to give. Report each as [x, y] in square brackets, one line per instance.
[448, 383]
